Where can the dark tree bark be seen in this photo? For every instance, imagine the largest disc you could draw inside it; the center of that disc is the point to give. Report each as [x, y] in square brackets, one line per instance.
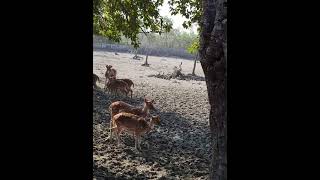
[213, 59]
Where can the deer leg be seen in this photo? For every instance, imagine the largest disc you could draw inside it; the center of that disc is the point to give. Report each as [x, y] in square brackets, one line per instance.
[112, 132]
[116, 92]
[125, 92]
[111, 127]
[136, 141]
[118, 136]
[105, 86]
[113, 92]
[139, 142]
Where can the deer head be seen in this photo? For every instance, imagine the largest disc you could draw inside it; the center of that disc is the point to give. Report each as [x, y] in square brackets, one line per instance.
[149, 104]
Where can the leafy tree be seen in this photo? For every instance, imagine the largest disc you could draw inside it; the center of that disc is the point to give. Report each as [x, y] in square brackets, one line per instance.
[211, 15]
[113, 18]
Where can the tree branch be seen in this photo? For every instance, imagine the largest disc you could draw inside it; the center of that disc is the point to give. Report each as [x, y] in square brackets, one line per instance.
[147, 32]
[124, 11]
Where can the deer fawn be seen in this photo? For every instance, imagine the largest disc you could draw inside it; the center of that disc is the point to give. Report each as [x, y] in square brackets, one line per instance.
[120, 106]
[133, 123]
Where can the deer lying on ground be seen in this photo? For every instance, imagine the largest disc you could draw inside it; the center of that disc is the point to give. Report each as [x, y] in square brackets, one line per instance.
[114, 85]
[95, 79]
[120, 106]
[133, 123]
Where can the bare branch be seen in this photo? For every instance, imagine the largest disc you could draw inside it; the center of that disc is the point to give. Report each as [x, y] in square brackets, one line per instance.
[145, 33]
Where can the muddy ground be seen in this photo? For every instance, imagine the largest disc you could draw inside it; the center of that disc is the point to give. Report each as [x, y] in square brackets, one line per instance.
[179, 148]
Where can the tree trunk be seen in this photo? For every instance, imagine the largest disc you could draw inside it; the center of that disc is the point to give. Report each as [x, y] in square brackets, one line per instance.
[194, 65]
[213, 59]
[146, 62]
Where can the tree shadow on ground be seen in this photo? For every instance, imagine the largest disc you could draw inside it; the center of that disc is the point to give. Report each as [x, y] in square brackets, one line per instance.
[179, 146]
[104, 173]
[176, 146]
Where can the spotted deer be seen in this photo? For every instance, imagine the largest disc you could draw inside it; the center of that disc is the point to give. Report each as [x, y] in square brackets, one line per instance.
[110, 72]
[135, 124]
[128, 81]
[120, 106]
[114, 85]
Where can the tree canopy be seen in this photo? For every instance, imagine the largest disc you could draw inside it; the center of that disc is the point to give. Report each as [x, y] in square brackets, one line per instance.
[113, 18]
[129, 18]
[190, 9]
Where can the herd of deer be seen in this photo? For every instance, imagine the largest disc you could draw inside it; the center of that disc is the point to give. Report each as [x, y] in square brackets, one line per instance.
[113, 84]
[123, 115]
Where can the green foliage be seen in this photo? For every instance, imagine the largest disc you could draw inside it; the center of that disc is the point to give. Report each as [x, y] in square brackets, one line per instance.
[190, 9]
[167, 25]
[114, 18]
[129, 18]
[194, 46]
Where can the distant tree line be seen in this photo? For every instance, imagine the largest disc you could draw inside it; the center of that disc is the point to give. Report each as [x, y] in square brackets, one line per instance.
[171, 44]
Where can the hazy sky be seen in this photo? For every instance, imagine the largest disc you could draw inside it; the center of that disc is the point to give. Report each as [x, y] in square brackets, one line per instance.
[177, 19]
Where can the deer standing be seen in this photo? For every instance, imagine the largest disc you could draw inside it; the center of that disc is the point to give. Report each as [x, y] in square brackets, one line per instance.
[133, 123]
[110, 72]
[115, 85]
[128, 81]
[120, 106]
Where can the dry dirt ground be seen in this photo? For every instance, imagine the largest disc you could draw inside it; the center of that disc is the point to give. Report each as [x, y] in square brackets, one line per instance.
[179, 148]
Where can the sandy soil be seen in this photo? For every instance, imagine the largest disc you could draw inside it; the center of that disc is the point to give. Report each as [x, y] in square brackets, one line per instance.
[179, 148]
